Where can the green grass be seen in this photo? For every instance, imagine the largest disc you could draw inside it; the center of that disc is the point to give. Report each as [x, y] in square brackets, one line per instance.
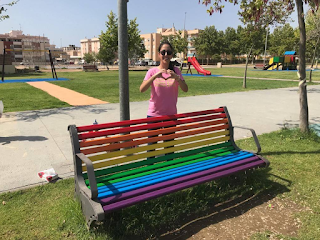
[104, 85]
[51, 212]
[21, 97]
[239, 72]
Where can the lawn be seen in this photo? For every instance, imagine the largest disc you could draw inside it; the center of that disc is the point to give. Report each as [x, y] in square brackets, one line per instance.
[239, 72]
[50, 211]
[104, 85]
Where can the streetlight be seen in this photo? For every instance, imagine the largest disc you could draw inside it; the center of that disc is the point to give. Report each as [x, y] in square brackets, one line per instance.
[123, 60]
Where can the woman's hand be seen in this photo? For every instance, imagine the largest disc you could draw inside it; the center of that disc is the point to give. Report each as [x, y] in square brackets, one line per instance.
[177, 78]
[159, 74]
[174, 75]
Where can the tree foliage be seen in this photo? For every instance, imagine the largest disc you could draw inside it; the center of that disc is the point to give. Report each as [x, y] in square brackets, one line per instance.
[232, 41]
[251, 36]
[312, 33]
[179, 43]
[283, 39]
[89, 57]
[109, 40]
[209, 42]
[3, 9]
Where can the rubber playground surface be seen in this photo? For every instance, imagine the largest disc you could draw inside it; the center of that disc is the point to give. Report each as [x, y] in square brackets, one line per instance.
[33, 80]
[201, 75]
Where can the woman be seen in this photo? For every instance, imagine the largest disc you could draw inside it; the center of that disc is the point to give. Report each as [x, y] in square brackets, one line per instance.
[165, 81]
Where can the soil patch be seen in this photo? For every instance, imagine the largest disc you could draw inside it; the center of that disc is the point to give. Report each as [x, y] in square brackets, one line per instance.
[242, 220]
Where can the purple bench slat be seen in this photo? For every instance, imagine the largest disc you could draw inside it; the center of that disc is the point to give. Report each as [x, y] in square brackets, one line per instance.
[130, 194]
[180, 186]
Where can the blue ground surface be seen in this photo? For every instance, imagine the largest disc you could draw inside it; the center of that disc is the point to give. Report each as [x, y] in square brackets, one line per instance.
[200, 75]
[33, 80]
[316, 128]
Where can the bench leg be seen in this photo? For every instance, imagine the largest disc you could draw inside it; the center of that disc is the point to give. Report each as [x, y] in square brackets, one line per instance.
[91, 209]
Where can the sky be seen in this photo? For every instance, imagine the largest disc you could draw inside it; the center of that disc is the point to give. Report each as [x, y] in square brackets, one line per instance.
[66, 22]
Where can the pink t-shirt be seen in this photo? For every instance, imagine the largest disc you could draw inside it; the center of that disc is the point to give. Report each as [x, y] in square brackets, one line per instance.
[164, 93]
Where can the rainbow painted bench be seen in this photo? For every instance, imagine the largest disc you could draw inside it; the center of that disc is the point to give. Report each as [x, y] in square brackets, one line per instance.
[121, 164]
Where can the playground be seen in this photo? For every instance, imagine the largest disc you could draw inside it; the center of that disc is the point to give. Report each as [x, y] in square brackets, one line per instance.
[286, 62]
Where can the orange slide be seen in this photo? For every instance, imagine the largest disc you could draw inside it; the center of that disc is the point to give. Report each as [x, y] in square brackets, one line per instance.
[194, 62]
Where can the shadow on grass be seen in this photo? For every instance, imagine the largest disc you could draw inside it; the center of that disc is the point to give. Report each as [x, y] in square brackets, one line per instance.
[183, 214]
[290, 152]
[7, 140]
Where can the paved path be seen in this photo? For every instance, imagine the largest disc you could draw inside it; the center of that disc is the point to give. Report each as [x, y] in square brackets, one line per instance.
[32, 141]
[66, 95]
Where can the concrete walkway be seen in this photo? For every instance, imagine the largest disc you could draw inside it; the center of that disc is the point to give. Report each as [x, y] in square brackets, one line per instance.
[32, 141]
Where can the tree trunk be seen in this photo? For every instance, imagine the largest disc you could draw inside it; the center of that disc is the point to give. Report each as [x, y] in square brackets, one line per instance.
[304, 113]
[244, 85]
[313, 58]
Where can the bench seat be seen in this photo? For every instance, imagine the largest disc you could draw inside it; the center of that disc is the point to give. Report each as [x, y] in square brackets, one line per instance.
[121, 164]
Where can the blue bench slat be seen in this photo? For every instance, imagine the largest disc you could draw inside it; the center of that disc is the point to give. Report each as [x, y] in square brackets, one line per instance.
[132, 184]
[173, 188]
[122, 196]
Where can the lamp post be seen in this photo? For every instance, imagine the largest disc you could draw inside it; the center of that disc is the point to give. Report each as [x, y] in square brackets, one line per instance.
[123, 60]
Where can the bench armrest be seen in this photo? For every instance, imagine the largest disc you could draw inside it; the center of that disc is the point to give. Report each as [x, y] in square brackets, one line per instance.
[91, 175]
[254, 137]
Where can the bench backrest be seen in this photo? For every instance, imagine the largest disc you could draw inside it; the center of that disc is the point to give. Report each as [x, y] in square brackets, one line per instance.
[118, 146]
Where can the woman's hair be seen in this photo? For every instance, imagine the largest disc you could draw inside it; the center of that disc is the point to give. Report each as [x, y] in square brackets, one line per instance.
[171, 66]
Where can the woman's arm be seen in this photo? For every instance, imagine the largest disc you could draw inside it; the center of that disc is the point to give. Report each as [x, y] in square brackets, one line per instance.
[146, 84]
[183, 85]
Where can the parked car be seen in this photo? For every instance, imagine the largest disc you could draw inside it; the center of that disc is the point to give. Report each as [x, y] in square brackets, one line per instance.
[141, 63]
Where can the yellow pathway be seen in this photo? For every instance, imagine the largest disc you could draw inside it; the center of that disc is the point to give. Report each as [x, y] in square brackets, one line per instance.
[66, 95]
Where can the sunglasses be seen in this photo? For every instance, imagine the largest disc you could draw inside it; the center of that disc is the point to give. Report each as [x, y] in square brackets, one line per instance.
[163, 52]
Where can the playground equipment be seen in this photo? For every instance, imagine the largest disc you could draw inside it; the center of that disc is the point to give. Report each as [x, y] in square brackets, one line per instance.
[194, 62]
[6, 56]
[287, 62]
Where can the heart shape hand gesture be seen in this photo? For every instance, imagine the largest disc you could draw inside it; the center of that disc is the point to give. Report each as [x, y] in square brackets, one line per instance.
[166, 74]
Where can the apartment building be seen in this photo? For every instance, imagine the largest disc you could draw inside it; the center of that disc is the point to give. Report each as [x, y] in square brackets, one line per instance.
[89, 46]
[25, 48]
[152, 41]
[7, 41]
[72, 53]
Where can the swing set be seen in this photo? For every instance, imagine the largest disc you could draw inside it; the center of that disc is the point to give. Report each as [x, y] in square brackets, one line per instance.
[6, 51]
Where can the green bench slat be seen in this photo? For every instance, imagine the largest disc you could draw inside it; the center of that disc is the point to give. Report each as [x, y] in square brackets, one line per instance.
[103, 172]
[165, 166]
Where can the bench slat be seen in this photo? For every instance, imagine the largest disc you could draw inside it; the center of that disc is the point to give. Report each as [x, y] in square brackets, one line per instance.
[123, 196]
[177, 187]
[130, 129]
[135, 135]
[101, 173]
[96, 127]
[158, 167]
[206, 163]
[156, 153]
[109, 155]
[174, 134]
